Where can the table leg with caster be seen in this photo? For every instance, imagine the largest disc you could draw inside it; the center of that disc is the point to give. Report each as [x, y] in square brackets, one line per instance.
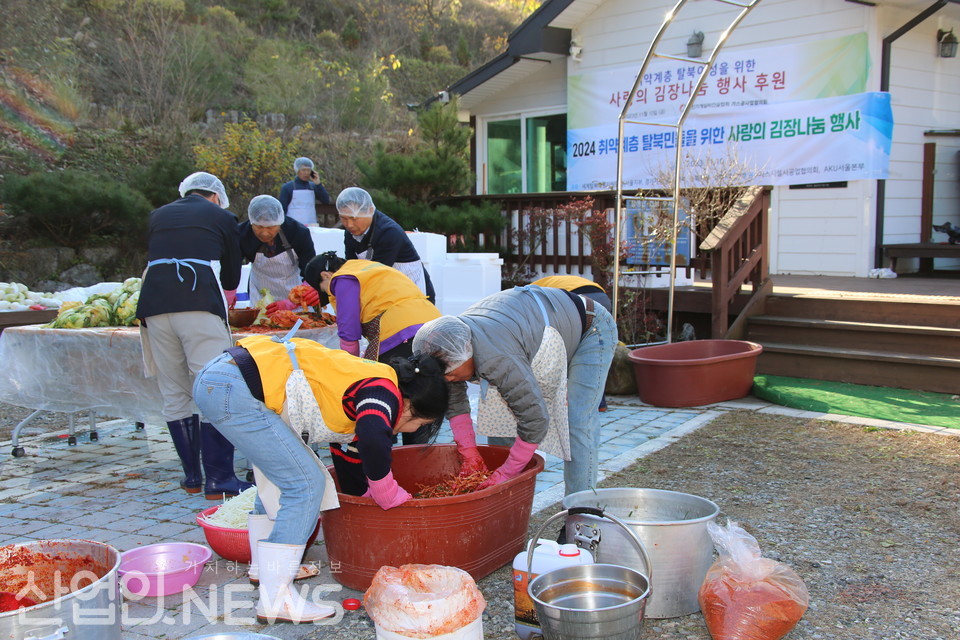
[18, 451]
[94, 436]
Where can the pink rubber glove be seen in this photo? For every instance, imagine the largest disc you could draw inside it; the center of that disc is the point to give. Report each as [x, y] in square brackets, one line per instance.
[231, 297]
[520, 454]
[310, 296]
[386, 492]
[350, 346]
[281, 305]
[463, 435]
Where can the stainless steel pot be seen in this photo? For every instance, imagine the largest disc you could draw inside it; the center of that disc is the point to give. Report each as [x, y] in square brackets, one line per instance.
[88, 613]
[673, 528]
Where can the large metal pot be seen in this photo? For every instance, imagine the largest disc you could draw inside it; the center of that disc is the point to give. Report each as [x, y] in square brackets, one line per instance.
[83, 572]
[673, 529]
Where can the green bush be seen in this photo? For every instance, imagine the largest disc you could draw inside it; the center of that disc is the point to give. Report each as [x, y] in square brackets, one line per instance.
[159, 180]
[74, 208]
[461, 223]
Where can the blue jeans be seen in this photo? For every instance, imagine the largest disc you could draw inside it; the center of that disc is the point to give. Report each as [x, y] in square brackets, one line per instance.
[586, 379]
[267, 442]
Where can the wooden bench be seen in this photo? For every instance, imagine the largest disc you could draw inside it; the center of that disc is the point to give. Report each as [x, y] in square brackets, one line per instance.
[925, 251]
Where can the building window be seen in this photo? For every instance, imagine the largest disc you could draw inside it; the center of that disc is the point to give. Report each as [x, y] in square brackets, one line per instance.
[527, 154]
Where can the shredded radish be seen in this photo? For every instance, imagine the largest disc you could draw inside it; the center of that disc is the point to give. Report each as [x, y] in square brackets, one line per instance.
[233, 513]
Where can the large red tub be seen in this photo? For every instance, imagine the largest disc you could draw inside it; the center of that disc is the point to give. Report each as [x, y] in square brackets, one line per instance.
[694, 373]
[478, 532]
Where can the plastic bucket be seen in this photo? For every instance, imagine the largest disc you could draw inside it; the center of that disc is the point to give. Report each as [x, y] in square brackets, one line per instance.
[478, 532]
[591, 601]
[695, 373]
[672, 526]
[472, 631]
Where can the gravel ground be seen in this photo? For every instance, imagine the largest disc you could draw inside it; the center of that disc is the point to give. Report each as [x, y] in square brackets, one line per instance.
[867, 517]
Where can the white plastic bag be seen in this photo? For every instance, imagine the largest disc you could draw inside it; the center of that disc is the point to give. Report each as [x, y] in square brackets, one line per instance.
[423, 600]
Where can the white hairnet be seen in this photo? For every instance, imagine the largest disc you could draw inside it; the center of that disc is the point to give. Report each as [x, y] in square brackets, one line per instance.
[299, 163]
[355, 202]
[447, 338]
[205, 182]
[265, 211]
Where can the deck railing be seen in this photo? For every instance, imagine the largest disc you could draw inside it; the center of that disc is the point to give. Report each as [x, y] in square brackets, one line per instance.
[737, 247]
[733, 253]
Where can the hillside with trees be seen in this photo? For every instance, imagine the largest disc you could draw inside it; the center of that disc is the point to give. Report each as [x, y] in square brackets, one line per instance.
[128, 96]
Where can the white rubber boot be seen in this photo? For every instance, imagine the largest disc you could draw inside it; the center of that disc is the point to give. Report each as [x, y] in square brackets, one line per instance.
[279, 601]
[259, 527]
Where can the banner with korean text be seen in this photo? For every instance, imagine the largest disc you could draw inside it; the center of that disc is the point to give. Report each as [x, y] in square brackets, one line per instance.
[827, 140]
[771, 89]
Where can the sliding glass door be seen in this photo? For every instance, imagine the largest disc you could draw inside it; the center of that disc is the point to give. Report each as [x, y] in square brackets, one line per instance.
[527, 154]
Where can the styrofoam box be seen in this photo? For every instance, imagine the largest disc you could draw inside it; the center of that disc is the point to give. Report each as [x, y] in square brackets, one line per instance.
[432, 249]
[468, 277]
[325, 239]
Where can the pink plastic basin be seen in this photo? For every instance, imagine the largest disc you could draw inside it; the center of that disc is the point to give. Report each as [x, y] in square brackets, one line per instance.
[162, 569]
[695, 373]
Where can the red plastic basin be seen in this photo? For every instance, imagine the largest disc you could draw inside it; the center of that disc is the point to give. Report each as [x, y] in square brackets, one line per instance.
[478, 532]
[695, 373]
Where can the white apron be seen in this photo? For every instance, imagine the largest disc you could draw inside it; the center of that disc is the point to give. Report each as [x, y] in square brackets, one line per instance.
[303, 206]
[301, 413]
[277, 275]
[494, 417]
[149, 363]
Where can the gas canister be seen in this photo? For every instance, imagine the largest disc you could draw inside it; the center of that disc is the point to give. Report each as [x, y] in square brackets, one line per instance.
[547, 556]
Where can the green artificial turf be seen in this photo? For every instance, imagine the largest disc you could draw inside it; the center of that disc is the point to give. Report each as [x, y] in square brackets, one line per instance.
[884, 403]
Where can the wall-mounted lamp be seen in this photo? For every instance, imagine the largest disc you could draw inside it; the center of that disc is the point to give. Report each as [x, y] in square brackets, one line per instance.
[576, 51]
[948, 43]
[695, 45]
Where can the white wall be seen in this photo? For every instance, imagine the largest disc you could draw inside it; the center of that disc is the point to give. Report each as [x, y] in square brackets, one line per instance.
[925, 95]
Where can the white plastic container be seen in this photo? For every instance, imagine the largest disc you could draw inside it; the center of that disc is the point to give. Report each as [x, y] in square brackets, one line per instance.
[325, 239]
[547, 556]
[468, 278]
[472, 631]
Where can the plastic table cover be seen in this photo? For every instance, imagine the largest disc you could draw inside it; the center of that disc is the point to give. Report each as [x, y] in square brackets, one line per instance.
[101, 370]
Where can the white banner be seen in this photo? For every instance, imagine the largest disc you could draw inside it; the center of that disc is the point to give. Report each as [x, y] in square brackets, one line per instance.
[826, 140]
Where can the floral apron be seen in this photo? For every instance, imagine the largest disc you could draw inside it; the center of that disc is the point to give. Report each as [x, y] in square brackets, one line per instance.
[494, 417]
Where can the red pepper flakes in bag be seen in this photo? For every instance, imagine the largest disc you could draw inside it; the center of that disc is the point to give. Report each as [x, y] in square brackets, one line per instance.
[746, 596]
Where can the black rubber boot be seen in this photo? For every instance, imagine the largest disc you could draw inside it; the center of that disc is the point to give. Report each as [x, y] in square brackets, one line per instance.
[222, 481]
[186, 439]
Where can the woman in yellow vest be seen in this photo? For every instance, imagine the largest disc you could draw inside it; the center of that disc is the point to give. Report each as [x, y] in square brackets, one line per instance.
[334, 397]
[376, 302]
[578, 285]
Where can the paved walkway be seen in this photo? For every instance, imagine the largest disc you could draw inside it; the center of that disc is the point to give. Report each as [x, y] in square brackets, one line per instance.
[123, 491]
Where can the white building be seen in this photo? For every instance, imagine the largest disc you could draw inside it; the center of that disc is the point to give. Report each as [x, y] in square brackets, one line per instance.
[531, 105]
